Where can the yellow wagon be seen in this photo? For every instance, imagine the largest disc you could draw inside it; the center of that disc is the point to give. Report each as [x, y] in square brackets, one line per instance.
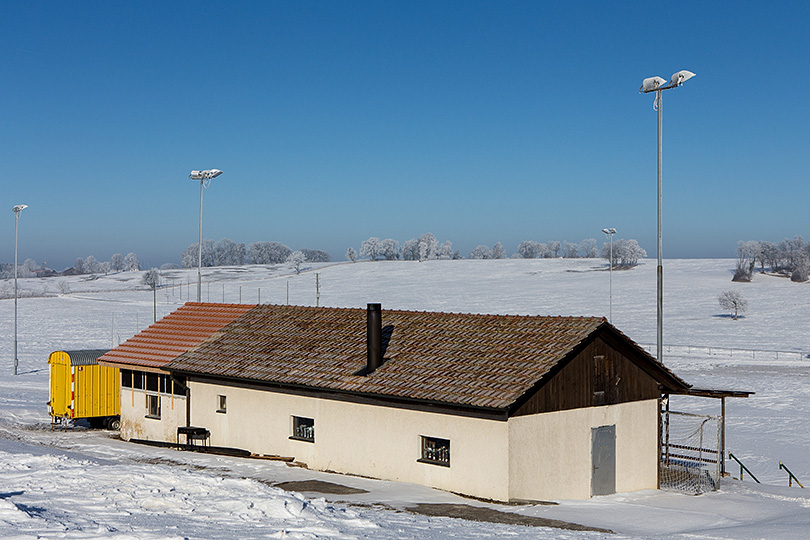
[81, 388]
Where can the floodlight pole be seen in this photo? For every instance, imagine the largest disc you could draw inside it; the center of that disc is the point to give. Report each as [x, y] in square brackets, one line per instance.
[17, 209]
[610, 232]
[658, 85]
[659, 344]
[203, 176]
[199, 247]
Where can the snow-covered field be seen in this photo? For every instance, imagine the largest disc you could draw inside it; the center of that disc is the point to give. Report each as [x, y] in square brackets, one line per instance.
[88, 484]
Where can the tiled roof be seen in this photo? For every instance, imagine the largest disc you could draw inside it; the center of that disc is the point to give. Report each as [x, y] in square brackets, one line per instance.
[472, 360]
[174, 334]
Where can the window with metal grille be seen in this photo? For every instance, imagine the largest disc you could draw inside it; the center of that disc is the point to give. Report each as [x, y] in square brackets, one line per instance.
[435, 451]
[303, 429]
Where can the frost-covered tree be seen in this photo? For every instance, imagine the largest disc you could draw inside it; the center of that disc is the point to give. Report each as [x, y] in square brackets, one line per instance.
[554, 248]
[91, 265]
[104, 267]
[228, 253]
[131, 263]
[768, 256]
[151, 278]
[481, 252]
[801, 270]
[747, 254]
[498, 252]
[389, 249]
[191, 256]
[351, 254]
[117, 262]
[733, 302]
[78, 264]
[446, 252]
[410, 250]
[267, 253]
[316, 255]
[296, 259]
[589, 249]
[428, 247]
[529, 249]
[570, 250]
[626, 253]
[370, 248]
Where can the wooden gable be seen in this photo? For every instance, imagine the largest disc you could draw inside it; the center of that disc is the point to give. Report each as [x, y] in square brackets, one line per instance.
[603, 372]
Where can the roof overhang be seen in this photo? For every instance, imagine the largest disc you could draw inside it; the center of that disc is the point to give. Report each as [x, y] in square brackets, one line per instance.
[715, 393]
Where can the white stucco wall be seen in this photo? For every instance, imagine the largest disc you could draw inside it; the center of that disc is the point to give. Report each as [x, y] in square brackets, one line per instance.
[380, 442]
[136, 425]
[550, 453]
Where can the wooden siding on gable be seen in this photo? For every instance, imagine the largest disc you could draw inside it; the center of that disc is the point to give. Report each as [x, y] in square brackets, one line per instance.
[598, 375]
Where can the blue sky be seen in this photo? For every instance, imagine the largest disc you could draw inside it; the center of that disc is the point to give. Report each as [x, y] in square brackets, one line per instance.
[335, 121]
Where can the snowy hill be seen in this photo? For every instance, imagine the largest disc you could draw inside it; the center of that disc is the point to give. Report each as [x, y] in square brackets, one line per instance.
[85, 484]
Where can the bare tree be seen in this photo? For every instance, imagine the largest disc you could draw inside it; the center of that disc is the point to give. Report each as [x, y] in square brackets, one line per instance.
[351, 254]
[733, 302]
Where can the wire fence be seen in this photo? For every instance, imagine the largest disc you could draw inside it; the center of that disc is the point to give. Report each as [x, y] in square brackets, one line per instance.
[704, 351]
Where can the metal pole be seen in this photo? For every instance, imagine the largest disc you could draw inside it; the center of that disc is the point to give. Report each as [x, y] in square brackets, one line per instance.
[660, 270]
[16, 225]
[610, 309]
[199, 251]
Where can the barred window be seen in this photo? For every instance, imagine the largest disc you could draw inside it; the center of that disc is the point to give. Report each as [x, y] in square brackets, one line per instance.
[303, 429]
[435, 451]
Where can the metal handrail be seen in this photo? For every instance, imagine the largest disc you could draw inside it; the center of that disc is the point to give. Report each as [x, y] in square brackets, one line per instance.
[744, 468]
[791, 476]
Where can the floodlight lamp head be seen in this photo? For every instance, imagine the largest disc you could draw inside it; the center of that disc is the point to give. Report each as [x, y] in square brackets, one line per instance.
[609, 231]
[195, 175]
[19, 208]
[679, 78]
[212, 173]
[650, 84]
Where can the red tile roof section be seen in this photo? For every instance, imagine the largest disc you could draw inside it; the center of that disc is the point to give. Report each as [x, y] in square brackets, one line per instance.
[465, 359]
[175, 334]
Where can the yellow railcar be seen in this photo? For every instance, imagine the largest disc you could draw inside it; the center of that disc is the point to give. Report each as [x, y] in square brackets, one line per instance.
[81, 388]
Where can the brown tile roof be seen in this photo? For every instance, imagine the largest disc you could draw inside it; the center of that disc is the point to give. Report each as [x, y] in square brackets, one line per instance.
[463, 359]
[174, 334]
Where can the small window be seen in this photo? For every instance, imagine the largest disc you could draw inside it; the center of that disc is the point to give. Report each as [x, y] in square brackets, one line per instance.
[152, 406]
[152, 382]
[222, 404]
[137, 380]
[303, 429]
[179, 386]
[126, 378]
[435, 451]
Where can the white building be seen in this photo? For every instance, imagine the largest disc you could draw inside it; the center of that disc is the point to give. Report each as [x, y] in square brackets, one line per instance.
[497, 407]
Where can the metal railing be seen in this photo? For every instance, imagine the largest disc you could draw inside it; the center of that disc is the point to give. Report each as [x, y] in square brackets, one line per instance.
[728, 352]
[743, 468]
[791, 476]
